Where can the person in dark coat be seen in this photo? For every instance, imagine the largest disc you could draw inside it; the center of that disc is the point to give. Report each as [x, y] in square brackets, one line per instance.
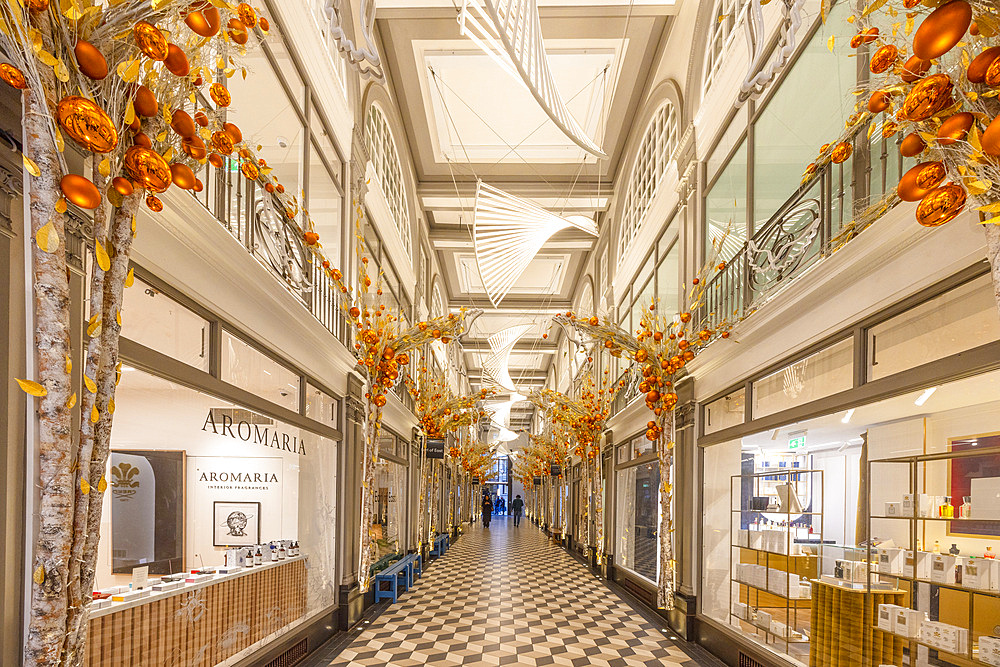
[487, 510]
[516, 509]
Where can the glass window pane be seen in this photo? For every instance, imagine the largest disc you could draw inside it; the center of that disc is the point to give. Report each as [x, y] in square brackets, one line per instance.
[322, 407]
[638, 518]
[153, 319]
[959, 320]
[668, 289]
[390, 501]
[726, 411]
[248, 368]
[726, 207]
[822, 374]
[324, 204]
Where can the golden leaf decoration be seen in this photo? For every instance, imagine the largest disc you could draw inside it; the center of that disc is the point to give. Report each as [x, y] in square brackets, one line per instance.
[130, 277]
[60, 144]
[61, 205]
[31, 387]
[129, 71]
[84, 487]
[992, 221]
[94, 326]
[104, 168]
[95, 415]
[111, 406]
[89, 384]
[102, 485]
[129, 113]
[71, 402]
[101, 253]
[118, 317]
[47, 238]
[990, 208]
[61, 72]
[69, 365]
[877, 4]
[31, 166]
[38, 576]
[830, 42]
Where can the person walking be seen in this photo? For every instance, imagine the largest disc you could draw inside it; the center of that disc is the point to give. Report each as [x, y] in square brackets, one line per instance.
[516, 509]
[487, 510]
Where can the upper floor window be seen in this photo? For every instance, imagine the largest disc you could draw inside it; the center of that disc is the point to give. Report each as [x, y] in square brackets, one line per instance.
[385, 158]
[437, 303]
[657, 146]
[723, 23]
[336, 58]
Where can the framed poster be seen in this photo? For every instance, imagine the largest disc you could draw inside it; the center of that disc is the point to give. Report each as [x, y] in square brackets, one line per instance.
[236, 524]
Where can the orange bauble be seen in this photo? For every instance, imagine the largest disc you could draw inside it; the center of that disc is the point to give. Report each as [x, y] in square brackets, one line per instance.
[150, 40]
[247, 15]
[154, 204]
[145, 102]
[941, 205]
[954, 128]
[201, 118]
[992, 76]
[889, 128]
[80, 191]
[912, 145]
[182, 123]
[194, 147]
[249, 169]
[177, 61]
[879, 101]
[841, 152]
[87, 124]
[12, 76]
[977, 68]
[237, 31]
[122, 185]
[220, 95]
[222, 142]
[942, 29]
[198, 185]
[866, 37]
[216, 160]
[914, 68]
[182, 176]
[233, 132]
[928, 96]
[918, 181]
[140, 139]
[264, 25]
[991, 138]
[92, 63]
[883, 58]
[147, 168]
[204, 20]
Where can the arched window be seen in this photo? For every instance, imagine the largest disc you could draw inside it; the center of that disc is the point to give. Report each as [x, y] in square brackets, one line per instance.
[437, 302]
[724, 19]
[385, 158]
[655, 150]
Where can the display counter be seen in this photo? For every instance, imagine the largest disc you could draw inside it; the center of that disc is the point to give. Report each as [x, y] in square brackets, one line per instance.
[204, 620]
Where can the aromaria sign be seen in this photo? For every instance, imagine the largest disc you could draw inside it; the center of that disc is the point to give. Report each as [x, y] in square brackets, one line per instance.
[245, 426]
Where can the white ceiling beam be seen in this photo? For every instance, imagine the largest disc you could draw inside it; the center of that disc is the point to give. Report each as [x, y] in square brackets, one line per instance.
[402, 9]
[564, 204]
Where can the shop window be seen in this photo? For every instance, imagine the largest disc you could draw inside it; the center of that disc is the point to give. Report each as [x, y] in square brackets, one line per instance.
[641, 445]
[322, 407]
[248, 368]
[638, 519]
[624, 452]
[390, 483]
[824, 373]
[199, 483]
[959, 320]
[727, 411]
[385, 158]
[153, 319]
[726, 208]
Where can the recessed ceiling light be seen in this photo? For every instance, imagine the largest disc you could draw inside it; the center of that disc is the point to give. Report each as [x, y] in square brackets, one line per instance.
[924, 396]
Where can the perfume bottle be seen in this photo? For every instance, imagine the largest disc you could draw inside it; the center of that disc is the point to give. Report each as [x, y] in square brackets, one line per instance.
[274, 554]
[257, 558]
[281, 552]
[954, 551]
[945, 510]
[989, 553]
[965, 511]
[937, 547]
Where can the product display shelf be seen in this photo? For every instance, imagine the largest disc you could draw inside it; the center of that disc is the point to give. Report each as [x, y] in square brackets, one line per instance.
[919, 467]
[796, 569]
[843, 632]
[943, 655]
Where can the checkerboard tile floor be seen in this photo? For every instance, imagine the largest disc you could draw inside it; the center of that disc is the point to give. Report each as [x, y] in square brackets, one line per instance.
[507, 596]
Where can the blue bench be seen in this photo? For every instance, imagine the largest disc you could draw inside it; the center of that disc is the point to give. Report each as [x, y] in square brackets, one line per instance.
[414, 564]
[391, 575]
[441, 543]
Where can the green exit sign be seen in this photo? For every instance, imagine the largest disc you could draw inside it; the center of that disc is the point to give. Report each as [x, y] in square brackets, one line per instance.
[796, 443]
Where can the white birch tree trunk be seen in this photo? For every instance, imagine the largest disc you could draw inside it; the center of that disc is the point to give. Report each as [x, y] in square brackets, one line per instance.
[665, 577]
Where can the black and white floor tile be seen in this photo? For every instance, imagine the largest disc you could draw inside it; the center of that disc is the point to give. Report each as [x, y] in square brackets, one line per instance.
[508, 596]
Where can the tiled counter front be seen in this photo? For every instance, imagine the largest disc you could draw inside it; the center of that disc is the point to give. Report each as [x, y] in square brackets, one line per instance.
[203, 623]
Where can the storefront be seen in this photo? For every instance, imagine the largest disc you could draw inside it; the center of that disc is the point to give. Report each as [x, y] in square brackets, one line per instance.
[637, 505]
[390, 527]
[852, 508]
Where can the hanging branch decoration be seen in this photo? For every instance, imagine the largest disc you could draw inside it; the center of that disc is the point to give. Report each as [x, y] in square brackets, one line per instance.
[382, 349]
[662, 346]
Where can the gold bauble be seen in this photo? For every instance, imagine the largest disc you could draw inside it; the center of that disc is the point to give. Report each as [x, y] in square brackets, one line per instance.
[914, 68]
[910, 4]
[912, 145]
[992, 76]
[942, 29]
[955, 127]
[879, 101]
[234, 132]
[12, 76]
[87, 124]
[977, 68]
[264, 24]
[154, 204]
[927, 97]
[941, 205]
[222, 142]
[80, 191]
[991, 137]
[181, 176]
[176, 61]
[247, 15]
[889, 128]
[249, 169]
[145, 103]
[150, 40]
[883, 58]
[216, 160]
[204, 20]
[841, 152]
[919, 180]
[148, 168]
[237, 31]
[182, 123]
[92, 62]
[220, 95]
[194, 147]
[122, 185]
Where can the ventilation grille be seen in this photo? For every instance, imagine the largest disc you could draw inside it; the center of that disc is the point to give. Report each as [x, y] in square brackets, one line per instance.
[292, 656]
[747, 661]
[239, 415]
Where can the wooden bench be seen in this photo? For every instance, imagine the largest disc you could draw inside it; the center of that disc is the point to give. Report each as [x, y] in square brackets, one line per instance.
[440, 545]
[391, 575]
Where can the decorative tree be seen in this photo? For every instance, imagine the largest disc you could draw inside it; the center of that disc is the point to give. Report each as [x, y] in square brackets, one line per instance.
[940, 89]
[662, 346]
[115, 79]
